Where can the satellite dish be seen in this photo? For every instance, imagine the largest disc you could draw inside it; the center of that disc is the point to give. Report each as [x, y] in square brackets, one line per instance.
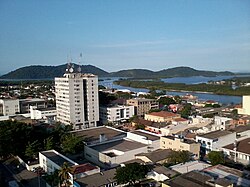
[71, 70]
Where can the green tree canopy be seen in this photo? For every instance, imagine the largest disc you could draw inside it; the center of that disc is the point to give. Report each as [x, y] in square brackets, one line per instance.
[72, 144]
[32, 149]
[216, 157]
[179, 157]
[166, 101]
[131, 173]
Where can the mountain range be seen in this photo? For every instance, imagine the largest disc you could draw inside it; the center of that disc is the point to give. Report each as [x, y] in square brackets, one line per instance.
[49, 72]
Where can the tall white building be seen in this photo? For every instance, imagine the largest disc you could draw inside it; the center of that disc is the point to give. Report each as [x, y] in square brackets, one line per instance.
[77, 100]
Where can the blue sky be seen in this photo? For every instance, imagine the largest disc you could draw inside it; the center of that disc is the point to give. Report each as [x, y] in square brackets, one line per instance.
[115, 35]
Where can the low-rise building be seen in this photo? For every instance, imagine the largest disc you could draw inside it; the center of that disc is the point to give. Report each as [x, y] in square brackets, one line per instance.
[142, 105]
[9, 107]
[235, 176]
[214, 141]
[190, 166]
[45, 114]
[239, 151]
[25, 104]
[161, 173]
[161, 116]
[116, 114]
[180, 144]
[159, 156]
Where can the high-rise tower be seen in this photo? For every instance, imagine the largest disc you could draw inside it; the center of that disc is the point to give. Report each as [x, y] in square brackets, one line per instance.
[77, 100]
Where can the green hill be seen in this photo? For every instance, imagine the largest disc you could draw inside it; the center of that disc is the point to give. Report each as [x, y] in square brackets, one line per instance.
[46, 72]
[49, 72]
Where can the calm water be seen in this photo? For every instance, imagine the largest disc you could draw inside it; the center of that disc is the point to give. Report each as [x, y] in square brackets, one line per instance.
[224, 99]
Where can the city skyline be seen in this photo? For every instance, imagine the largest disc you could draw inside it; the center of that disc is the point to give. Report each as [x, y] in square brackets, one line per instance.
[116, 35]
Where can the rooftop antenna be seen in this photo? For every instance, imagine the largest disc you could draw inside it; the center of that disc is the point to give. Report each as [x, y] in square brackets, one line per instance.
[79, 67]
[68, 64]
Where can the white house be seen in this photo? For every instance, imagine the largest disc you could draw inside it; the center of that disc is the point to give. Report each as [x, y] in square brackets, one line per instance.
[46, 114]
[9, 106]
[214, 141]
[116, 114]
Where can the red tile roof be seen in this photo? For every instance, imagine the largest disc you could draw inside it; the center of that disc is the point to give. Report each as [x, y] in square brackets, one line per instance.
[164, 114]
[82, 168]
[243, 146]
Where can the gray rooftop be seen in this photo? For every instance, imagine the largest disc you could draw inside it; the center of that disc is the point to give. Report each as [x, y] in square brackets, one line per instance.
[93, 134]
[99, 179]
[56, 158]
[215, 134]
[157, 155]
[147, 135]
[120, 145]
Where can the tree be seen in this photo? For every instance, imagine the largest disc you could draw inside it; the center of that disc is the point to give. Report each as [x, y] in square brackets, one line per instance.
[32, 149]
[131, 173]
[186, 111]
[166, 101]
[179, 157]
[72, 144]
[64, 175]
[49, 144]
[53, 179]
[216, 157]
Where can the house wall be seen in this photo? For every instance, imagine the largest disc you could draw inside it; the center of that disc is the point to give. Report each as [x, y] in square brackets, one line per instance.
[216, 144]
[178, 145]
[106, 161]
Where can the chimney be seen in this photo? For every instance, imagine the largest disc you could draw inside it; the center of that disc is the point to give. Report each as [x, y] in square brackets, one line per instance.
[102, 138]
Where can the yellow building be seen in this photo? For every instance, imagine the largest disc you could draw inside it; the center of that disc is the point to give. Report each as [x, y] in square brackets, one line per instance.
[161, 116]
[177, 144]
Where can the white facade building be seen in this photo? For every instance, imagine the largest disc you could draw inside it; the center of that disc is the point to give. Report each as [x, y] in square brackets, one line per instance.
[214, 141]
[245, 105]
[9, 106]
[77, 100]
[116, 113]
[46, 114]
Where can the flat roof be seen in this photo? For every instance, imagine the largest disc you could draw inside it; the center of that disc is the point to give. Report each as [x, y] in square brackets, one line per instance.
[142, 99]
[56, 158]
[149, 136]
[191, 179]
[166, 171]
[120, 145]
[93, 134]
[215, 134]
[243, 146]
[190, 166]
[98, 179]
[157, 155]
[241, 128]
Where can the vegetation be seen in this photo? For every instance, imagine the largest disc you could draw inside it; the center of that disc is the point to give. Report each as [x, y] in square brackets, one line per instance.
[63, 174]
[166, 101]
[71, 144]
[213, 105]
[160, 85]
[131, 174]
[46, 72]
[186, 111]
[216, 157]
[179, 157]
[53, 179]
[26, 140]
[40, 72]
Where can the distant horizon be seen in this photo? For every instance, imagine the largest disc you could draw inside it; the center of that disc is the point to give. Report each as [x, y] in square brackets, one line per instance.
[115, 35]
[131, 68]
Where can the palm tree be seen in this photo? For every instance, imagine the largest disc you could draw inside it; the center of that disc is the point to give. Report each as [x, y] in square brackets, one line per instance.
[64, 175]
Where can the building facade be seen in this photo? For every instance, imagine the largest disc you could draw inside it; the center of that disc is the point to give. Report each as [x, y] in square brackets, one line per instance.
[214, 141]
[9, 107]
[77, 100]
[178, 144]
[161, 116]
[142, 105]
[116, 114]
[245, 110]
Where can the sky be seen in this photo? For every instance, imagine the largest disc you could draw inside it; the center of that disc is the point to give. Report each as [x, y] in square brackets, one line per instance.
[126, 34]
